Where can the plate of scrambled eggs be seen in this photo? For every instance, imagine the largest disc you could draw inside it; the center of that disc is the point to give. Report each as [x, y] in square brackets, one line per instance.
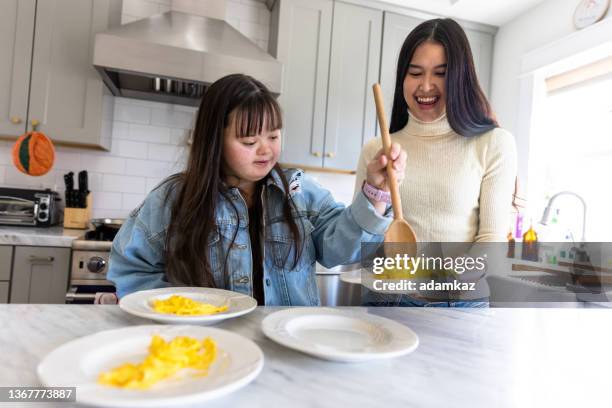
[153, 366]
[187, 305]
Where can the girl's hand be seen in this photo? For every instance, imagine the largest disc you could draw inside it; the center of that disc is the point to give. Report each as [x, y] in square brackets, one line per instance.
[377, 169]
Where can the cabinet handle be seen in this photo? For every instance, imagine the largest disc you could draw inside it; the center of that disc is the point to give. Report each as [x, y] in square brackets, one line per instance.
[45, 259]
[316, 154]
[34, 123]
[15, 120]
[330, 155]
[70, 297]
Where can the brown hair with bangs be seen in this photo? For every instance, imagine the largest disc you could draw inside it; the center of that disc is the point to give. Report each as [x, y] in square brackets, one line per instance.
[199, 188]
[256, 114]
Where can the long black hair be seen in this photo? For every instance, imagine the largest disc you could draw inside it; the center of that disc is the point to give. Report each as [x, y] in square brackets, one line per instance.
[467, 108]
[253, 108]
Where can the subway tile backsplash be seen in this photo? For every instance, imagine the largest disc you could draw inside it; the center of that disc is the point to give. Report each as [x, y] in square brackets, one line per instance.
[149, 138]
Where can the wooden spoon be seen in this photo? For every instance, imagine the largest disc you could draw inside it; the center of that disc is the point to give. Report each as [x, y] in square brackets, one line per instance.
[399, 231]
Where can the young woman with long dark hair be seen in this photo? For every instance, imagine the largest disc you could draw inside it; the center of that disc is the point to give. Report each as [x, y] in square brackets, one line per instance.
[234, 219]
[461, 167]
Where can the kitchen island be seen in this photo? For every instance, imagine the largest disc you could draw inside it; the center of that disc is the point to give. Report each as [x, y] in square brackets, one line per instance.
[466, 358]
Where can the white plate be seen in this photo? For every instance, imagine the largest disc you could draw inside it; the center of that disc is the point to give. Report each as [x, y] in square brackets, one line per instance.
[140, 304]
[339, 335]
[79, 362]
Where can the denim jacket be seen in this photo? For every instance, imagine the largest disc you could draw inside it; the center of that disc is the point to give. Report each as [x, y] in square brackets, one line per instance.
[332, 235]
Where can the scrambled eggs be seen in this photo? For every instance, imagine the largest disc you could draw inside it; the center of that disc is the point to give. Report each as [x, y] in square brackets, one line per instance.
[164, 360]
[184, 306]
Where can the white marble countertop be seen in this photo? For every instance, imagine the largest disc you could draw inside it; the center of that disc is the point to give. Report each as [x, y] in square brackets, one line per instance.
[52, 236]
[466, 358]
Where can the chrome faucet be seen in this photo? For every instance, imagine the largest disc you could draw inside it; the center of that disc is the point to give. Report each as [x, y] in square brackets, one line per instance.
[546, 214]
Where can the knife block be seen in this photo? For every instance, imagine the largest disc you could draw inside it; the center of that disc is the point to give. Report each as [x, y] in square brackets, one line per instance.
[78, 218]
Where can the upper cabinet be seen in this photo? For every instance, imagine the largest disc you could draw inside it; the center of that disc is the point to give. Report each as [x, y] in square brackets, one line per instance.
[302, 44]
[481, 43]
[331, 56]
[65, 94]
[354, 68]
[396, 30]
[16, 36]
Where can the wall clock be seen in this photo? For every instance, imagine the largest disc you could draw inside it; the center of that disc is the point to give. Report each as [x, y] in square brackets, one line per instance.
[589, 12]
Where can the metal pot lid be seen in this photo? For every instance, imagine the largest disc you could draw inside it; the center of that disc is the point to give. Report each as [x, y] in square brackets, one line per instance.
[110, 222]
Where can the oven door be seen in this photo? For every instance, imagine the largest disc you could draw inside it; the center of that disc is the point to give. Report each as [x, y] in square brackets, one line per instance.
[17, 211]
[91, 294]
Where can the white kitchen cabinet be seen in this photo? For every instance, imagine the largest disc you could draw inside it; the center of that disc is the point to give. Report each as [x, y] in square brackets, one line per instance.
[6, 262]
[331, 54]
[354, 68]
[482, 49]
[302, 44]
[396, 29]
[40, 275]
[66, 96]
[4, 292]
[16, 36]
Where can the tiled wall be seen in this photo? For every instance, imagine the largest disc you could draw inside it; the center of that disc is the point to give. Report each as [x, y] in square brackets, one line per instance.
[251, 18]
[148, 138]
[137, 9]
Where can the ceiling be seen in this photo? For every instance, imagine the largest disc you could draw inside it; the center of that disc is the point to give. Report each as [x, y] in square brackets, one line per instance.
[493, 12]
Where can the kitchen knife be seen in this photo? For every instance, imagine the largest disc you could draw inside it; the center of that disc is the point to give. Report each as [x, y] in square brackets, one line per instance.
[83, 188]
[69, 194]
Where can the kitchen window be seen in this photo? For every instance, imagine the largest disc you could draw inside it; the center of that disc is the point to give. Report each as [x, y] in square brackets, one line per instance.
[572, 148]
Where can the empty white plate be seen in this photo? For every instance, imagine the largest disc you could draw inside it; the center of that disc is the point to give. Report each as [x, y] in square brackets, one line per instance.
[78, 363]
[140, 304]
[339, 334]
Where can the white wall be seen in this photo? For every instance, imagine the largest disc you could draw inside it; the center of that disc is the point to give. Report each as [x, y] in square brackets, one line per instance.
[549, 22]
[206, 8]
[251, 18]
[148, 138]
[136, 9]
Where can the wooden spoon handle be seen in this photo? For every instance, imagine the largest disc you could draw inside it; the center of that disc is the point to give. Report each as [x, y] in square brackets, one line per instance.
[386, 139]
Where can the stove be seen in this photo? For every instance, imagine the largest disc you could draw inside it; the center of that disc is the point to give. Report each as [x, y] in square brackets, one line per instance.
[90, 256]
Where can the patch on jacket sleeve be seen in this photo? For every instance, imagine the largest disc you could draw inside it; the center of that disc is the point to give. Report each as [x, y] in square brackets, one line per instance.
[295, 183]
[295, 186]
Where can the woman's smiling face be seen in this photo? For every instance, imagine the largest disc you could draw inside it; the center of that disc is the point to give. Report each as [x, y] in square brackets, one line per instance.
[424, 84]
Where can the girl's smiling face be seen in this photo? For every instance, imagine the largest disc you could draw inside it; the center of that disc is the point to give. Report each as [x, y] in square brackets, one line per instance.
[250, 158]
[424, 84]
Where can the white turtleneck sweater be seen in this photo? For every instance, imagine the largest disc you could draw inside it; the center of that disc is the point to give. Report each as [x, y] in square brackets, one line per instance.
[456, 188]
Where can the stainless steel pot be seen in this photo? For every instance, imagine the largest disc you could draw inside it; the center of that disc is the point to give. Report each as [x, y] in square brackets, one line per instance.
[108, 222]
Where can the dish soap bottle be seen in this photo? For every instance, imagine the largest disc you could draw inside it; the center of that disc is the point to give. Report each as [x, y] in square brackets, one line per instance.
[530, 248]
[511, 244]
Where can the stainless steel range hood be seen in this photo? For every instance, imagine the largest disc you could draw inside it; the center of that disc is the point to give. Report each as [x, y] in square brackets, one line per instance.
[172, 57]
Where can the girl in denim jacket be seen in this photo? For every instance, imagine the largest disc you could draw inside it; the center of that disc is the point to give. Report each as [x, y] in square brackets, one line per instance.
[235, 220]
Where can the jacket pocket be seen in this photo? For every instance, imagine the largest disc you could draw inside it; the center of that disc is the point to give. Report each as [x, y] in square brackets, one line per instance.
[216, 258]
[283, 246]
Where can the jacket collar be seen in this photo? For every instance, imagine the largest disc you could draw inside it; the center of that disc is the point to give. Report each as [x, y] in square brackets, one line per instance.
[274, 180]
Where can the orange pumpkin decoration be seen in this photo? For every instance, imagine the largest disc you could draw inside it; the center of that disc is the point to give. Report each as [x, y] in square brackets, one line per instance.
[33, 154]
